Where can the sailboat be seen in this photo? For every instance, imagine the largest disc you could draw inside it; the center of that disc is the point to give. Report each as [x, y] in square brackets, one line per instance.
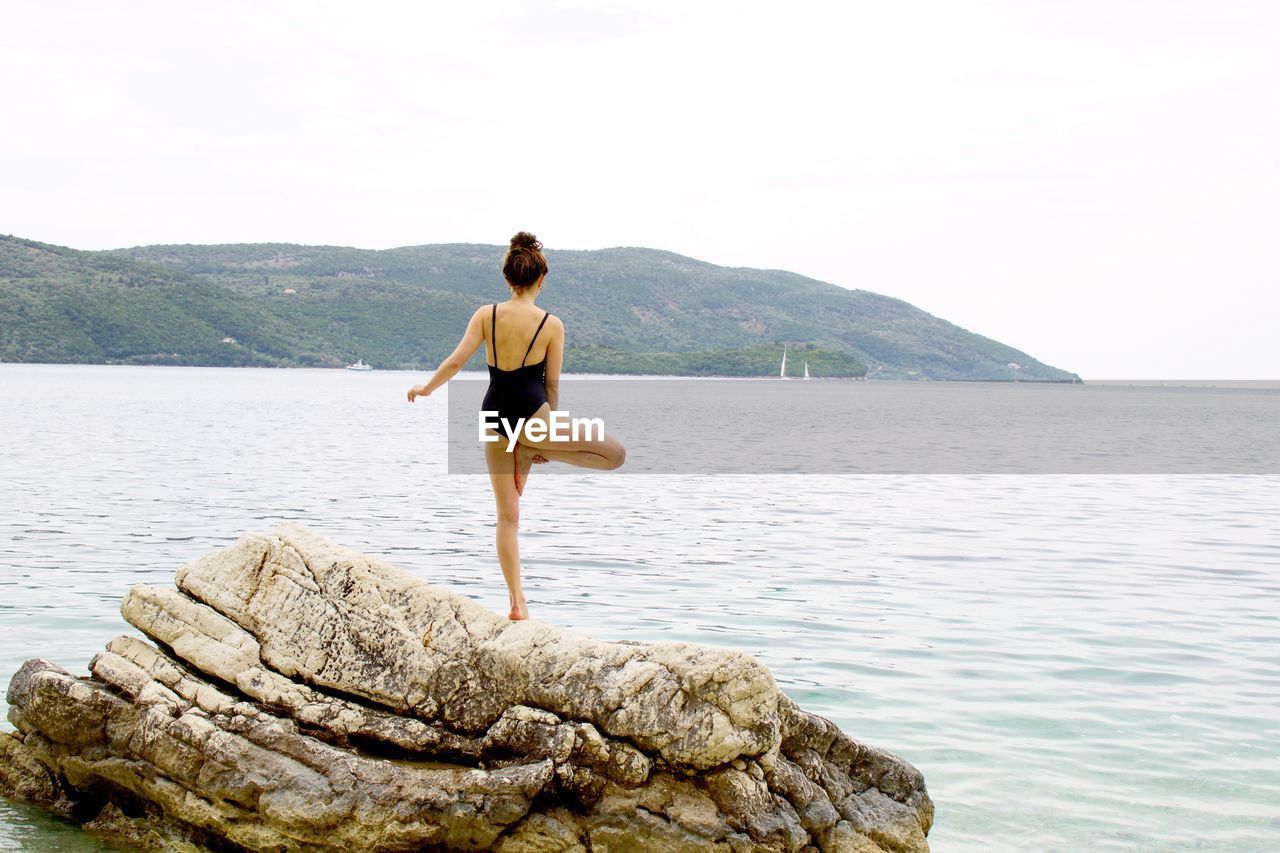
[806, 370]
[782, 374]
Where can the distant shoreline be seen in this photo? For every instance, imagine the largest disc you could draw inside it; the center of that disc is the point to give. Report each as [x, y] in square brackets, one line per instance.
[1262, 384]
[288, 305]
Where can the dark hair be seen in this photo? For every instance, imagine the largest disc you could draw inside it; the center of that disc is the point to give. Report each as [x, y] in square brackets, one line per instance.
[524, 263]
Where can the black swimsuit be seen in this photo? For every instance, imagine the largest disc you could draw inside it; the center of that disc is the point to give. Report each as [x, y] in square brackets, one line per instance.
[518, 393]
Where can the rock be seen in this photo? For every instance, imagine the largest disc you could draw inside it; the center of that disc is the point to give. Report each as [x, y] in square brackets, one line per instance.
[299, 696]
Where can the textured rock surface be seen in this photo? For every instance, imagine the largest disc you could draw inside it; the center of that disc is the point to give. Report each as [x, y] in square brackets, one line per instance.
[299, 696]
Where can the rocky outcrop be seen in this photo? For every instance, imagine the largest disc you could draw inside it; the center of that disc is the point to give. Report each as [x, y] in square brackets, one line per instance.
[298, 696]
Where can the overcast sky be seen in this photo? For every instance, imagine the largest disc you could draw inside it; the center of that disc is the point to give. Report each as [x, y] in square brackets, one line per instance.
[1093, 182]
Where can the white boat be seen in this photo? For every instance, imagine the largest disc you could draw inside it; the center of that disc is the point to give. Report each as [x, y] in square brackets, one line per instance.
[359, 365]
[783, 373]
[806, 370]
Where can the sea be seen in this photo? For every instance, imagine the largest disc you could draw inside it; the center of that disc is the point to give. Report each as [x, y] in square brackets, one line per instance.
[1074, 661]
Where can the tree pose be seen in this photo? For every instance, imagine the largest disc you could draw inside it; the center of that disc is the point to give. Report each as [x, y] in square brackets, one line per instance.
[529, 391]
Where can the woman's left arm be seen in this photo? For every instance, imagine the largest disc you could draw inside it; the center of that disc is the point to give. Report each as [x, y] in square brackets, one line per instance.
[555, 358]
[471, 341]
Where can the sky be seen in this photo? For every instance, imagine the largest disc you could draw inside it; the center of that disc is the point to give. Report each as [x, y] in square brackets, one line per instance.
[1095, 183]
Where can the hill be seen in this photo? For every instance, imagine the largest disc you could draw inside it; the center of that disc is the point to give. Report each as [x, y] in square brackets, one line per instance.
[627, 310]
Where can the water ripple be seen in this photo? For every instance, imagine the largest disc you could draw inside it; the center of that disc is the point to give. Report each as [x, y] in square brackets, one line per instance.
[1075, 663]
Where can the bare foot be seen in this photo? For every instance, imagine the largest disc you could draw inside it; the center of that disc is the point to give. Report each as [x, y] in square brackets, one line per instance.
[518, 611]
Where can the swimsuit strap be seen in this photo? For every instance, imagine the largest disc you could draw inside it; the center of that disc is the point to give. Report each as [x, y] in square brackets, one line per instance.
[493, 334]
[545, 315]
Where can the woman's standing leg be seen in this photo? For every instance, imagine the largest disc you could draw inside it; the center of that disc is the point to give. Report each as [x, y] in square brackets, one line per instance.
[507, 501]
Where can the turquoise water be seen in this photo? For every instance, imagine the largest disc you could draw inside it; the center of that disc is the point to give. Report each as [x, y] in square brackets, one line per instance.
[1074, 662]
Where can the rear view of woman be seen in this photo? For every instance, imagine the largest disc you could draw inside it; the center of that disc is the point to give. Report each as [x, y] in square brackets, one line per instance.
[525, 348]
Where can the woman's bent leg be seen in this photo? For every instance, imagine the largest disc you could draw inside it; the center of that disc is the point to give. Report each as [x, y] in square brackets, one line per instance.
[580, 458]
[604, 453]
[523, 458]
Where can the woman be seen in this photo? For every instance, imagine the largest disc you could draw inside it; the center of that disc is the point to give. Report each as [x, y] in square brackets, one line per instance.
[518, 332]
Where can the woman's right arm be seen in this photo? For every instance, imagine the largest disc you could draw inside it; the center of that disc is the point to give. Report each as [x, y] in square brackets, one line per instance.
[471, 341]
[555, 358]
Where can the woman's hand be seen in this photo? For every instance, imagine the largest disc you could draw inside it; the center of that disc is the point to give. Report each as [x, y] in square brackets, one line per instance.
[418, 391]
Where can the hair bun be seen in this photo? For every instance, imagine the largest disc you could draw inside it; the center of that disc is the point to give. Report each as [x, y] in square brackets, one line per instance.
[525, 240]
[524, 263]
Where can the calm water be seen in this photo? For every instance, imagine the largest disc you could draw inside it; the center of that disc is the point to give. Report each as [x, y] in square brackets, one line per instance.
[1074, 662]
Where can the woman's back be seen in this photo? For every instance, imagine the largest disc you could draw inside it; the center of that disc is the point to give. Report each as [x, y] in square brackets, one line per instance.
[519, 325]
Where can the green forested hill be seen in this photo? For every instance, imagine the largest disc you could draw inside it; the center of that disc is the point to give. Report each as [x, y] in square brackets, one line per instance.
[626, 310]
